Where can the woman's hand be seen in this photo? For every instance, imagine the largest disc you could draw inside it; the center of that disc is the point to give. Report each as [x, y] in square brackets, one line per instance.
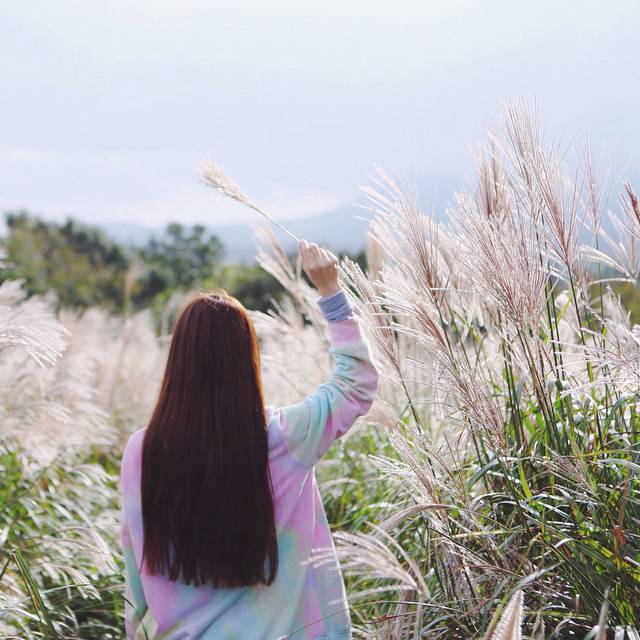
[321, 266]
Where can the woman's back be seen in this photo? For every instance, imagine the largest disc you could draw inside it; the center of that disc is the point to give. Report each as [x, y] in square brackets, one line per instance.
[304, 601]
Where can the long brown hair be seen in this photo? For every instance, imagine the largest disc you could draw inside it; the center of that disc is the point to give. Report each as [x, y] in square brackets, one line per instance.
[207, 503]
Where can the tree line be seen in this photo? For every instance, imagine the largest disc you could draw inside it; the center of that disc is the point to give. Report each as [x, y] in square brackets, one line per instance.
[85, 268]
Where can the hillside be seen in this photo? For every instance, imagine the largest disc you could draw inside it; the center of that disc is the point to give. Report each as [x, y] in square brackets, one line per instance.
[343, 229]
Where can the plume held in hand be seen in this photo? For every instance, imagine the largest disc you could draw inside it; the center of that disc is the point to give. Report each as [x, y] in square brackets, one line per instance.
[213, 176]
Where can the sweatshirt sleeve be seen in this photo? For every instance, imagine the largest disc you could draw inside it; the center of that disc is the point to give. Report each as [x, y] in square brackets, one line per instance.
[135, 604]
[312, 425]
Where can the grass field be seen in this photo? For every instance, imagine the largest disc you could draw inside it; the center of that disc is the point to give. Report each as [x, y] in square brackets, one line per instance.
[500, 462]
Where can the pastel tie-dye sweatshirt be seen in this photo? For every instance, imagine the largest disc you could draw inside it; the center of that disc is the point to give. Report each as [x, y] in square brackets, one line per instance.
[307, 599]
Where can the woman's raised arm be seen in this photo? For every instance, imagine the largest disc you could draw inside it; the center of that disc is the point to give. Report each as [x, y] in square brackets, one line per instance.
[310, 426]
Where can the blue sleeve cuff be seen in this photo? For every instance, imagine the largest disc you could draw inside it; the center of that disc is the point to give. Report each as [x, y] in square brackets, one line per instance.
[335, 307]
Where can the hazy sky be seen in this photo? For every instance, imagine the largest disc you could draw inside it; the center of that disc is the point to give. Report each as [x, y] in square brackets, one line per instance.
[107, 107]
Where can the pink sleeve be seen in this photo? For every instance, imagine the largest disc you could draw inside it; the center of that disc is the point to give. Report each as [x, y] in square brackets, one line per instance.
[312, 425]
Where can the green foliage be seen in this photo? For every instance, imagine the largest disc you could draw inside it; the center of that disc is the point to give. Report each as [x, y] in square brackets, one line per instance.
[181, 259]
[53, 551]
[78, 262]
[353, 492]
[251, 284]
[84, 268]
[629, 294]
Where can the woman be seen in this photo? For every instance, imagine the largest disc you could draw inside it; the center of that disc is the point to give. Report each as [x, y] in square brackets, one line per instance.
[220, 506]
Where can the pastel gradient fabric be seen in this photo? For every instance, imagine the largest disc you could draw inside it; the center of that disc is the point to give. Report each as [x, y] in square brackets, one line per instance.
[307, 599]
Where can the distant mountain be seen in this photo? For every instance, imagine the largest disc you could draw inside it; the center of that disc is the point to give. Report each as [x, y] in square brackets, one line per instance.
[343, 229]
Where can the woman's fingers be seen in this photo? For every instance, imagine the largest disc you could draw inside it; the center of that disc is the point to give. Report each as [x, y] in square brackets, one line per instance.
[304, 251]
[315, 256]
[324, 256]
[321, 266]
[309, 252]
[314, 250]
[330, 257]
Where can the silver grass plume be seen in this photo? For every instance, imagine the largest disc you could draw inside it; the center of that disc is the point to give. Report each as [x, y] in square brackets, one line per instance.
[501, 249]
[509, 626]
[29, 325]
[376, 319]
[632, 202]
[598, 191]
[539, 175]
[622, 251]
[213, 176]
[366, 554]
